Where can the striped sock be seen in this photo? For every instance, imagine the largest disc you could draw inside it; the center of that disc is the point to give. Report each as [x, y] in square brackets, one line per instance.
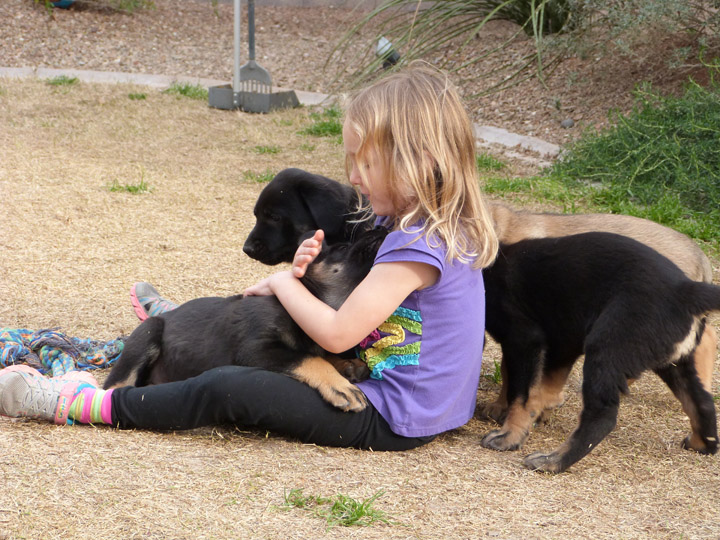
[91, 406]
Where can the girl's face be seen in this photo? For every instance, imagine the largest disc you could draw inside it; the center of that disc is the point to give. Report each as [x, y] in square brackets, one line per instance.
[375, 187]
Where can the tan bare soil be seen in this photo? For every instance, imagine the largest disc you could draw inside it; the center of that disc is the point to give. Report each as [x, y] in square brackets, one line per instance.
[71, 248]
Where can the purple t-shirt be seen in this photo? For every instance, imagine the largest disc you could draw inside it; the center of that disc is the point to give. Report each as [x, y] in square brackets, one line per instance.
[425, 359]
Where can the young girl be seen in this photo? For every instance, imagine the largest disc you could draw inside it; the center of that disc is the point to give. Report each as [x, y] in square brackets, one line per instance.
[418, 315]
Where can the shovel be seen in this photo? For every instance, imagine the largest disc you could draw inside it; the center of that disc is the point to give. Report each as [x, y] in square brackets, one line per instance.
[253, 78]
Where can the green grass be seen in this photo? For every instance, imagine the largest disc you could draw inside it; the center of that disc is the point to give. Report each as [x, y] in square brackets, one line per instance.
[327, 123]
[259, 177]
[340, 510]
[139, 96]
[306, 147]
[267, 149]
[660, 162]
[192, 91]
[488, 163]
[140, 187]
[496, 375]
[62, 80]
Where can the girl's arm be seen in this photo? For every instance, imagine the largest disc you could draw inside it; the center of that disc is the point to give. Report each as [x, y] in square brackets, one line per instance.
[367, 307]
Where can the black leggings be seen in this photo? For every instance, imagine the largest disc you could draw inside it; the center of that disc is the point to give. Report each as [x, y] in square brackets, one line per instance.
[254, 398]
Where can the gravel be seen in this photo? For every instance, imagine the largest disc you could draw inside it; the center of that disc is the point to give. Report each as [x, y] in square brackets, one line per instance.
[195, 38]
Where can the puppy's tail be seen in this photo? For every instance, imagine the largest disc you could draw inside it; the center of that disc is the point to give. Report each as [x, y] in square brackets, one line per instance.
[700, 297]
[141, 350]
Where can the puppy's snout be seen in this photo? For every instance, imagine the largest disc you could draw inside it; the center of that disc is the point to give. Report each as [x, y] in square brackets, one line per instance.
[249, 249]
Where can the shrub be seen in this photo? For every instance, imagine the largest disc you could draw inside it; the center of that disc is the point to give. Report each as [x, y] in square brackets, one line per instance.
[438, 30]
[661, 161]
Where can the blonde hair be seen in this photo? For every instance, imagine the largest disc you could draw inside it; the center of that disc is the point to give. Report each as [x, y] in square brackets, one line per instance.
[414, 121]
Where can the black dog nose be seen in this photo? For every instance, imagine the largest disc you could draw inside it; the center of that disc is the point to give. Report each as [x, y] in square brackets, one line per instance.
[249, 250]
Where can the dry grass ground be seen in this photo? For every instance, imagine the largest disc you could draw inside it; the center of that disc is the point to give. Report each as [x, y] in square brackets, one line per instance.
[70, 249]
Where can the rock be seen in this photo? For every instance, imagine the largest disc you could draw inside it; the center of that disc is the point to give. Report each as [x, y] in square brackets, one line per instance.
[567, 123]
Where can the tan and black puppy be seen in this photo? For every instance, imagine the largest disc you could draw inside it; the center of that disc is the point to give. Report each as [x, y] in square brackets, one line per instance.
[254, 331]
[514, 226]
[627, 308]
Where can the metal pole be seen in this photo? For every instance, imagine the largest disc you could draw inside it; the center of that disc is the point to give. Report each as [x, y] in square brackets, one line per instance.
[236, 67]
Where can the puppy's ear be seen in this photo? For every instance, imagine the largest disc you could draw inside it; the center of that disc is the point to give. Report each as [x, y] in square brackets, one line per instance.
[330, 204]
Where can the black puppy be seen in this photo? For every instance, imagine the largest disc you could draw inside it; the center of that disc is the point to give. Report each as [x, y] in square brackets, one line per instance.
[295, 202]
[254, 331]
[623, 305]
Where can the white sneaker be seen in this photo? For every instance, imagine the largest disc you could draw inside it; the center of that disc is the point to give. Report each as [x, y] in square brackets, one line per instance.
[26, 393]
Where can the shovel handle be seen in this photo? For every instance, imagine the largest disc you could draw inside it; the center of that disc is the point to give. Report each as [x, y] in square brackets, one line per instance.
[251, 29]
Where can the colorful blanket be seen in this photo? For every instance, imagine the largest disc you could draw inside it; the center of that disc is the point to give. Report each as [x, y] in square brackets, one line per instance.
[50, 351]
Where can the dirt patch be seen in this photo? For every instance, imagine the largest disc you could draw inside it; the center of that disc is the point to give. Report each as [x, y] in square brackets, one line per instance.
[71, 248]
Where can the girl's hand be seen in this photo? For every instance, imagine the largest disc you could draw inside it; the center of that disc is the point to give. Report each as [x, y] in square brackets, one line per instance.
[307, 252]
[261, 288]
[267, 286]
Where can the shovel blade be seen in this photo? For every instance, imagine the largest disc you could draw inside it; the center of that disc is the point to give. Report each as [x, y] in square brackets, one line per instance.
[253, 78]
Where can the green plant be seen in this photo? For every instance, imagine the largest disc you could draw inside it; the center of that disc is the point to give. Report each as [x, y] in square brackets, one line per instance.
[444, 32]
[192, 91]
[267, 149]
[421, 30]
[260, 178]
[62, 80]
[140, 187]
[661, 161]
[496, 375]
[327, 123]
[307, 147]
[137, 96]
[488, 162]
[343, 510]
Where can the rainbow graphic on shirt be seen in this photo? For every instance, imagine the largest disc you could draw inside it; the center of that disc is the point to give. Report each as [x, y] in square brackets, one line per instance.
[396, 342]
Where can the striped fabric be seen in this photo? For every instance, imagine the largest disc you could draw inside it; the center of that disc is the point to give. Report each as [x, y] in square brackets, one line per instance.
[50, 351]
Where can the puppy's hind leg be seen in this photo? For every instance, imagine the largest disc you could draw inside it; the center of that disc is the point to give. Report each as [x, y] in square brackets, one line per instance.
[697, 402]
[320, 374]
[705, 355]
[141, 350]
[601, 401]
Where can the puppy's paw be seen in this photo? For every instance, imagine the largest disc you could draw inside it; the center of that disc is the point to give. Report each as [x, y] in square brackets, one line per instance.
[553, 400]
[494, 411]
[353, 369]
[701, 445]
[504, 440]
[322, 375]
[549, 463]
[346, 397]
